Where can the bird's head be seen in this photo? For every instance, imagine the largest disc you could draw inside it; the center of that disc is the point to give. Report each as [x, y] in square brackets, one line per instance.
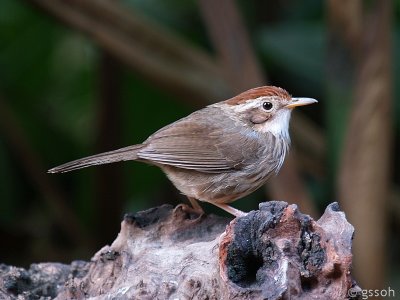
[265, 109]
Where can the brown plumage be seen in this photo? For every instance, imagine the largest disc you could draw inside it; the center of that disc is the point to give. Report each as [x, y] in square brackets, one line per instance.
[263, 91]
[219, 153]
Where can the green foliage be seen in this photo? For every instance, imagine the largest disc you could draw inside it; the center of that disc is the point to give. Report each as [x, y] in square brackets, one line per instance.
[283, 47]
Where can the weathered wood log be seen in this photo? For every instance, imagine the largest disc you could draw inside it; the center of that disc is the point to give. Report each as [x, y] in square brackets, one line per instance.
[275, 252]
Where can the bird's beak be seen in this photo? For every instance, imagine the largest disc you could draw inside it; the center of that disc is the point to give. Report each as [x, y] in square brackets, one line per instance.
[300, 102]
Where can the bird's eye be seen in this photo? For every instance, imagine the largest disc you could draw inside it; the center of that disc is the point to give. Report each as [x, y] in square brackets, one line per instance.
[267, 106]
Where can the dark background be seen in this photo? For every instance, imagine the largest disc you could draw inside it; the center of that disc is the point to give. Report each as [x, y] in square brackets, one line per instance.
[81, 77]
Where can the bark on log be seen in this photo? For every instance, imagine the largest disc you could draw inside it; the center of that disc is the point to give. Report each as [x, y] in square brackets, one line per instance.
[275, 252]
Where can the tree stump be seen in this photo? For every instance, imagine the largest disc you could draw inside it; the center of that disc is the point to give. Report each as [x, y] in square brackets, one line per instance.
[275, 252]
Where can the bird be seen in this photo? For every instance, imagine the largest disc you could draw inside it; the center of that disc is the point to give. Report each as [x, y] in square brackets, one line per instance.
[217, 154]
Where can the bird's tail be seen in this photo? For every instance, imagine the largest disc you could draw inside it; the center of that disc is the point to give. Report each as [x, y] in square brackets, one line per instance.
[126, 153]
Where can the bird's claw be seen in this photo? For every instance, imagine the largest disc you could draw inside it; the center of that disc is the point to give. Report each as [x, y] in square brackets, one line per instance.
[193, 213]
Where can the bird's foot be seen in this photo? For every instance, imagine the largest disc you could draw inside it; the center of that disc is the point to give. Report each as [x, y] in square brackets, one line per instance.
[193, 213]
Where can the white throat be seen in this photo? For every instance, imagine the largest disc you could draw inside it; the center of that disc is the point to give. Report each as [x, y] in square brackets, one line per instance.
[279, 125]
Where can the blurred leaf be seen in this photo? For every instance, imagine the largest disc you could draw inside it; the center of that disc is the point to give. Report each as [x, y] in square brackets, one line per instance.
[283, 46]
[8, 188]
[180, 16]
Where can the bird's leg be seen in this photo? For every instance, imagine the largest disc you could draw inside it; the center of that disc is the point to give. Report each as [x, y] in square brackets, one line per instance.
[196, 206]
[230, 209]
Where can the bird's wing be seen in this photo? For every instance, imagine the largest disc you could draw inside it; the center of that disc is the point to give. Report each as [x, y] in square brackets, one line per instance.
[202, 146]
